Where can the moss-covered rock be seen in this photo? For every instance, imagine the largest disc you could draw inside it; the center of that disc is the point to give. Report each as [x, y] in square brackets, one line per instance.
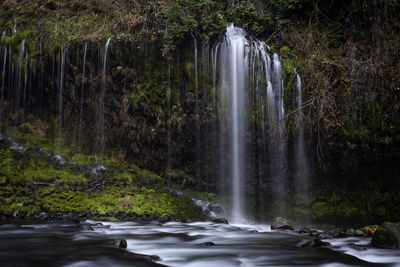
[220, 220]
[282, 223]
[384, 238]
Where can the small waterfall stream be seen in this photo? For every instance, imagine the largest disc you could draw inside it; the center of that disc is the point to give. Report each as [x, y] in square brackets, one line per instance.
[102, 98]
[2, 85]
[302, 171]
[82, 93]
[60, 98]
[19, 76]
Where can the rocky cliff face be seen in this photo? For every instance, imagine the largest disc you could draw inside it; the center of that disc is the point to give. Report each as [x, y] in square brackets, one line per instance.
[159, 111]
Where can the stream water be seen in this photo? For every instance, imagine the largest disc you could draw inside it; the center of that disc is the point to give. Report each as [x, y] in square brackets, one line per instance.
[177, 244]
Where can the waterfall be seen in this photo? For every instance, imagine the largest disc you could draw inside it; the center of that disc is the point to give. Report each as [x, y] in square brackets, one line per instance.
[82, 91]
[301, 166]
[102, 97]
[197, 110]
[277, 135]
[234, 68]
[169, 119]
[2, 85]
[251, 104]
[214, 57]
[19, 76]
[60, 98]
[25, 81]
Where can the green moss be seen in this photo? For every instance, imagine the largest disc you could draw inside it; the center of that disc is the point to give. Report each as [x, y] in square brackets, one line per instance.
[112, 199]
[383, 238]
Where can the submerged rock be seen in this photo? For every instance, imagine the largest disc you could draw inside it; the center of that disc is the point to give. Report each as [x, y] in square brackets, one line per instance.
[311, 243]
[207, 244]
[333, 233]
[85, 227]
[357, 247]
[387, 236]
[122, 243]
[305, 231]
[353, 232]
[220, 220]
[282, 223]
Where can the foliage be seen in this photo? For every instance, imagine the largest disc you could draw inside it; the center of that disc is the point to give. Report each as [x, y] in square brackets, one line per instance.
[110, 200]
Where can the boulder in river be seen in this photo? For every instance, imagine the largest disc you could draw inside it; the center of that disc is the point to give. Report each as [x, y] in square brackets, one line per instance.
[354, 232]
[85, 227]
[305, 231]
[207, 244]
[332, 233]
[387, 236]
[311, 243]
[220, 220]
[122, 243]
[282, 223]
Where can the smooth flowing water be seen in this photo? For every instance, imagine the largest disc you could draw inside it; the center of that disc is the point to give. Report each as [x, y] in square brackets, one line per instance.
[234, 68]
[302, 172]
[177, 244]
[19, 76]
[2, 85]
[251, 89]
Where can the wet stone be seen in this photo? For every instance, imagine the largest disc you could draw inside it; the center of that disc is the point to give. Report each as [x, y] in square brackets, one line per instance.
[220, 220]
[282, 223]
[311, 243]
[207, 244]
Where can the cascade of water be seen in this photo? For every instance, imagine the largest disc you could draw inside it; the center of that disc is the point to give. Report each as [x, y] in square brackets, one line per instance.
[234, 68]
[251, 84]
[2, 85]
[19, 76]
[60, 98]
[15, 27]
[30, 85]
[214, 57]
[102, 97]
[197, 110]
[277, 135]
[40, 82]
[301, 171]
[25, 81]
[82, 91]
[169, 120]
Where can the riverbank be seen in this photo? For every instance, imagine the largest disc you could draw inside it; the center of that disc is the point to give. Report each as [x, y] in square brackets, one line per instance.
[35, 183]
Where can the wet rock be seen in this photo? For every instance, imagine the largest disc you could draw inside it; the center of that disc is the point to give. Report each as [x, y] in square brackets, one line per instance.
[357, 247]
[387, 236]
[164, 219]
[305, 231]
[215, 208]
[122, 243]
[333, 233]
[282, 223]
[220, 220]
[369, 229]
[85, 227]
[353, 232]
[207, 244]
[311, 243]
[315, 232]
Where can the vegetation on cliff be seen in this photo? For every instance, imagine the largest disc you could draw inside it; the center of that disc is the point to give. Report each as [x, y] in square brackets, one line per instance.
[347, 54]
